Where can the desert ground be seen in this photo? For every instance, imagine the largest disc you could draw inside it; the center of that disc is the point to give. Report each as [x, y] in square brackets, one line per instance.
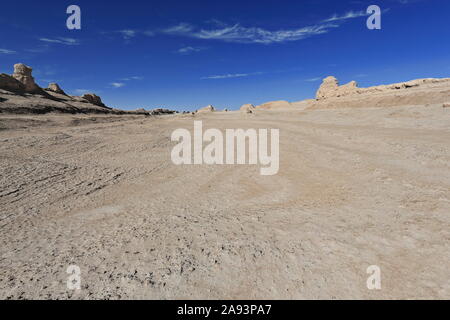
[356, 187]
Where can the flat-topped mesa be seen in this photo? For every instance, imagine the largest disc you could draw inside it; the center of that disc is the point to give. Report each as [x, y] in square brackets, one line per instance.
[22, 73]
[93, 98]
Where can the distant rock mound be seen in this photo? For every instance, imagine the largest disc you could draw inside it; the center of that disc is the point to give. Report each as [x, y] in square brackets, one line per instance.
[22, 73]
[141, 111]
[19, 94]
[247, 108]
[54, 87]
[416, 92]
[94, 99]
[274, 105]
[209, 108]
[330, 87]
[161, 111]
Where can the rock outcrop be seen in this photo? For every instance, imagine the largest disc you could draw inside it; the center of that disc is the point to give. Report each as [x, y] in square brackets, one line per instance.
[209, 108]
[9, 83]
[54, 87]
[330, 87]
[22, 73]
[161, 111]
[141, 111]
[19, 94]
[415, 92]
[93, 98]
[247, 108]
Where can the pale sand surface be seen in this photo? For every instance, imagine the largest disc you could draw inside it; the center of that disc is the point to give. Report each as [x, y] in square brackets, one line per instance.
[356, 187]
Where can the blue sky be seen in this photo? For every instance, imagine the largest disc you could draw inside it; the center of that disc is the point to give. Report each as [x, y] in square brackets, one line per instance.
[187, 54]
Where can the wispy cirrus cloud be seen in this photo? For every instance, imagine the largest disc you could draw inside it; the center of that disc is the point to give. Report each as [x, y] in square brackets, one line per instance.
[346, 16]
[241, 34]
[231, 75]
[127, 33]
[61, 40]
[238, 33]
[39, 49]
[227, 76]
[132, 78]
[189, 49]
[179, 28]
[117, 84]
[6, 51]
[148, 33]
[314, 79]
[122, 82]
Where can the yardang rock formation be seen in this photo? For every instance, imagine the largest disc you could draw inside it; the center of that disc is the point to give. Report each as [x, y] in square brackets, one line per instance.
[22, 73]
[208, 108]
[416, 92]
[54, 87]
[19, 94]
[247, 108]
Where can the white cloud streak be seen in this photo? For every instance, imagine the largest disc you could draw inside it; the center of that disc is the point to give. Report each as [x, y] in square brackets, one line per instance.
[346, 16]
[39, 49]
[132, 78]
[240, 34]
[189, 49]
[314, 79]
[127, 33]
[117, 84]
[6, 51]
[61, 40]
[180, 28]
[231, 75]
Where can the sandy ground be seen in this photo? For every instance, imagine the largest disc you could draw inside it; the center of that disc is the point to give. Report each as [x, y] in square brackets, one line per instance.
[356, 187]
